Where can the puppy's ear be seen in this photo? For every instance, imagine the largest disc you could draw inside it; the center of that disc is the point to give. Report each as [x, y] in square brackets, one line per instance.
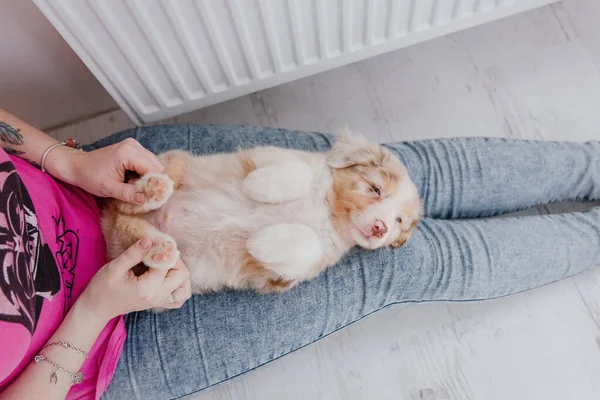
[404, 236]
[351, 150]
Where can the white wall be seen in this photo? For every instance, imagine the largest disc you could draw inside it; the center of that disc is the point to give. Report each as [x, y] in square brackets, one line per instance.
[41, 79]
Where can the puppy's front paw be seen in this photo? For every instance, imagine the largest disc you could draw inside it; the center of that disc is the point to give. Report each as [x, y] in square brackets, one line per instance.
[164, 253]
[278, 183]
[157, 188]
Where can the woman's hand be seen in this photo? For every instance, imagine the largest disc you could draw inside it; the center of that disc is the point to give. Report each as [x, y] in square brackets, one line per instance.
[115, 290]
[102, 172]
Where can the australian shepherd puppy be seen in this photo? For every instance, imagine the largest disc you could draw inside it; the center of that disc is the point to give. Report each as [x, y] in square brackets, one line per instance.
[267, 218]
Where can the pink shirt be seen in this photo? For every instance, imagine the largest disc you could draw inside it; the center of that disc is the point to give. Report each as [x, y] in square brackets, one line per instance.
[51, 245]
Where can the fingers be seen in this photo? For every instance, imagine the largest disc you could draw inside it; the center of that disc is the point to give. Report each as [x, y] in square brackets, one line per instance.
[138, 159]
[168, 289]
[175, 277]
[131, 156]
[177, 285]
[144, 162]
[163, 281]
[133, 255]
[180, 295]
[126, 192]
[154, 278]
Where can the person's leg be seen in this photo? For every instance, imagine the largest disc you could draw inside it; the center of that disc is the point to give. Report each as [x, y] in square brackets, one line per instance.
[457, 178]
[476, 177]
[216, 337]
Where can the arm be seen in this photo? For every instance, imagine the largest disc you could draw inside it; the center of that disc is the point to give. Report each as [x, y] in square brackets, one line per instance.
[80, 328]
[100, 172]
[23, 140]
[113, 291]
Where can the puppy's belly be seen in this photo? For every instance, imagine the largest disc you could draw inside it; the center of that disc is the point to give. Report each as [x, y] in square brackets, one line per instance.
[205, 275]
[211, 230]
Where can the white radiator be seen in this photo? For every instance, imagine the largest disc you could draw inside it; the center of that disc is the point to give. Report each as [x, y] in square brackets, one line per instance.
[161, 58]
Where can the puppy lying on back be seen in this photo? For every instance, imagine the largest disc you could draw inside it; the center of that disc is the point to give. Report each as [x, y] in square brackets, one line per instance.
[267, 218]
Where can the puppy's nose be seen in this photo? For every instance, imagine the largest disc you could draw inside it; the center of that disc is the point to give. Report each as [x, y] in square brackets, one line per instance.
[379, 228]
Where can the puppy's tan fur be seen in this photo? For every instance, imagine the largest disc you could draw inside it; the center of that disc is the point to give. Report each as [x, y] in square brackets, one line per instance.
[267, 218]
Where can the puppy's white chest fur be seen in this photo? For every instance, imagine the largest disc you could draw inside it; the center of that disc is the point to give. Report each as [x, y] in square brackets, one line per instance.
[278, 214]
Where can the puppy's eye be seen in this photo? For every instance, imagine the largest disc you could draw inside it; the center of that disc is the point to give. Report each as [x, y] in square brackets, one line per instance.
[376, 190]
[399, 220]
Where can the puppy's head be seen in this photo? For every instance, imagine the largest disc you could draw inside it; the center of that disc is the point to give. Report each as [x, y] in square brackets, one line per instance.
[374, 202]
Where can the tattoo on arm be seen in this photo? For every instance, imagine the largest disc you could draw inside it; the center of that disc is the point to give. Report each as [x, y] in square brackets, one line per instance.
[13, 152]
[21, 154]
[10, 135]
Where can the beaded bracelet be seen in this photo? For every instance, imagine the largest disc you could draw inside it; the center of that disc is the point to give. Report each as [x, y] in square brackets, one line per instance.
[73, 143]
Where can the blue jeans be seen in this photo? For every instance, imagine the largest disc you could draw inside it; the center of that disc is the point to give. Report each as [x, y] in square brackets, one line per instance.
[218, 336]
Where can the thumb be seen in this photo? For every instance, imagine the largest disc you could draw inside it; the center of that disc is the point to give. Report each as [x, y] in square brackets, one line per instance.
[126, 192]
[133, 255]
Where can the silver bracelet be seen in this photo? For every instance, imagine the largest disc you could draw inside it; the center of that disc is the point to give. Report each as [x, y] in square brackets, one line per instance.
[75, 377]
[66, 345]
[73, 143]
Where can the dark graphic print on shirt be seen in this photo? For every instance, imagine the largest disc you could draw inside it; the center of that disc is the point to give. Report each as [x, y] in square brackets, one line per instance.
[28, 270]
[67, 253]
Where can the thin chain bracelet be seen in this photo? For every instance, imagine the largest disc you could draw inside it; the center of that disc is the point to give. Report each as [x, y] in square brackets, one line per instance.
[66, 345]
[75, 377]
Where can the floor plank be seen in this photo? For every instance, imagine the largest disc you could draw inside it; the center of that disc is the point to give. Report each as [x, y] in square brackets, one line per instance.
[551, 95]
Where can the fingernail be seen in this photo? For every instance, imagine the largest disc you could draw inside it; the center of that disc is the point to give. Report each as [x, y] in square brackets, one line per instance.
[138, 197]
[145, 243]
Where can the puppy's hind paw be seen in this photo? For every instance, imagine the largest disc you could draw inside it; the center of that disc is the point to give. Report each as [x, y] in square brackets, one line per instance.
[289, 250]
[164, 253]
[157, 188]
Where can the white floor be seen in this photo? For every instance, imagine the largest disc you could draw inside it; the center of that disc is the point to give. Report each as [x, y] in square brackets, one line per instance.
[535, 75]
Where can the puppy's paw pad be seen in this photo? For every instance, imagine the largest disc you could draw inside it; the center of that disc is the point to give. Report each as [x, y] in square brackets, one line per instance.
[163, 254]
[157, 188]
